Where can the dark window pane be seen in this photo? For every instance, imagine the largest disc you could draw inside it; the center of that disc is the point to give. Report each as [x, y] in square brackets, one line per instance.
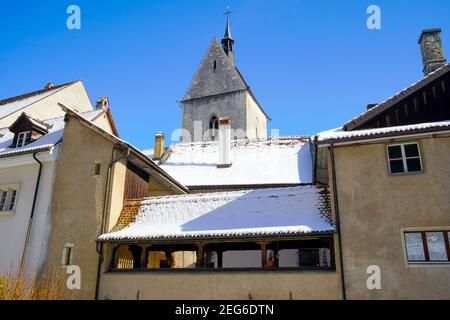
[396, 166]
[413, 165]
[411, 150]
[309, 257]
[394, 152]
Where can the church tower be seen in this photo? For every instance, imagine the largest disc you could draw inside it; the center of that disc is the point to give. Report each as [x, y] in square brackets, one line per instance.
[228, 42]
[218, 90]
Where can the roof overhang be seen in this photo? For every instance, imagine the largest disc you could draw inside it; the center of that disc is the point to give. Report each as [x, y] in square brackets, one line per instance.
[398, 97]
[22, 158]
[136, 154]
[227, 238]
[385, 137]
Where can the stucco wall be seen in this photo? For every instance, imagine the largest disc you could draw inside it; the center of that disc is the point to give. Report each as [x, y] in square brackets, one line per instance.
[103, 122]
[13, 228]
[256, 119]
[220, 285]
[73, 96]
[374, 207]
[78, 201]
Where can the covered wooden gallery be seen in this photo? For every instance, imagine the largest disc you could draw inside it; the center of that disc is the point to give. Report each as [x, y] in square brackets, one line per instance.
[265, 229]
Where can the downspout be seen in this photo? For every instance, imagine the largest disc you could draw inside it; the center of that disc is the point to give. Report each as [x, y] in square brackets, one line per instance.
[338, 220]
[30, 222]
[315, 155]
[99, 247]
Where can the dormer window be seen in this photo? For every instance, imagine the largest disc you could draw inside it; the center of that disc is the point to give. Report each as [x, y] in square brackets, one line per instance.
[23, 138]
[26, 130]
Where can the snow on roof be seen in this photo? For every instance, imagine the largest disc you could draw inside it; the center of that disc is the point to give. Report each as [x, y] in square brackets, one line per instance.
[54, 135]
[277, 211]
[9, 106]
[284, 160]
[340, 134]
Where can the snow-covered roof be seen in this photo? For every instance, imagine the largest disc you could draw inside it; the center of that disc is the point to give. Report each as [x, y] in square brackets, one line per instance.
[276, 212]
[14, 104]
[54, 135]
[339, 134]
[280, 160]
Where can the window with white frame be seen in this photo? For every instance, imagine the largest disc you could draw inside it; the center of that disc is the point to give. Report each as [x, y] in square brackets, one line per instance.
[427, 246]
[8, 198]
[404, 158]
[23, 138]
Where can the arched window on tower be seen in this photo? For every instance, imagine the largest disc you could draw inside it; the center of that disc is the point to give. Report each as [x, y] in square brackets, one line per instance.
[213, 127]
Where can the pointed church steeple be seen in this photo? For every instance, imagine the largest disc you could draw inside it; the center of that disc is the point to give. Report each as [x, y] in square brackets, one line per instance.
[227, 41]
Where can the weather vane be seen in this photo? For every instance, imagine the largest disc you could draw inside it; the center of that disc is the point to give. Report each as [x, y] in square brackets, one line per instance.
[228, 12]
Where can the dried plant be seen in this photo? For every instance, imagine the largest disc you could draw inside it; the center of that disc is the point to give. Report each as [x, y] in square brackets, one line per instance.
[48, 286]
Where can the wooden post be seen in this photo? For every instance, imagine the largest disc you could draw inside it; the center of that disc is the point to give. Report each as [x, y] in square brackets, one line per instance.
[264, 253]
[144, 256]
[200, 255]
[276, 260]
[332, 254]
[219, 258]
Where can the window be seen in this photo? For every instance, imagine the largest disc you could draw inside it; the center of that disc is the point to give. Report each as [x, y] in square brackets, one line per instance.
[215, 64]
[67, 254]
[427, 246]
[23, 138]
[404, 158]
[443, 85]
[96, 169]
[8, 198]
[213, 127]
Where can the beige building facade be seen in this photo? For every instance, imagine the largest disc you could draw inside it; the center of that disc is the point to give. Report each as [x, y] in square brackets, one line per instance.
[377, 208]
[87, 202]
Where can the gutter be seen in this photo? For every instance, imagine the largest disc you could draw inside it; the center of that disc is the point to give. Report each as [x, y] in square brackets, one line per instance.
[338, 220]
[383, 137]
[30, 222]
[99, 247]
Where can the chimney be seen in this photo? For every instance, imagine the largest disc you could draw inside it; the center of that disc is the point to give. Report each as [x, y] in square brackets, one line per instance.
[224, 143]
[431, 48]
[102, 103]
[371, 105]
[48, 86]
[159, 146]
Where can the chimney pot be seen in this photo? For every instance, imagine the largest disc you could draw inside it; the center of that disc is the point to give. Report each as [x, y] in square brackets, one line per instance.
[49, 86]
[224, 143]
[102, 102]
[371, 105]
[159, 146]
[431, 48]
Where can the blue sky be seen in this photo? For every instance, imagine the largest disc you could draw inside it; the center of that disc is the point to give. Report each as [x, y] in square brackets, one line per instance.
[311, 64]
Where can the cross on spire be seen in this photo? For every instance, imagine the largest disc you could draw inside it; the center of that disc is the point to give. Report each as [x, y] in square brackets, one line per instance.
[227, 41]
[228, 12]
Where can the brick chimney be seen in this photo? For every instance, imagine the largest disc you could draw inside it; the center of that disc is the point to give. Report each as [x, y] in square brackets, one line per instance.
[159, 146]
[224, 143]
[431, 47]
